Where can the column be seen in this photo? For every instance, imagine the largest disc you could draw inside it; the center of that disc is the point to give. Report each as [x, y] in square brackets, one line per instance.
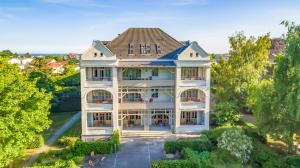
[207, 99]
[177, 99]
[115, 90]
[83, 101]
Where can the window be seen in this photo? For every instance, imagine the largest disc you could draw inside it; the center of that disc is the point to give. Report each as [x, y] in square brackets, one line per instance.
[130, 50]
[154, 93]
[101, 73]
[101, 54]
[100, 95]
[132, 74]
[143, 49]
[188, 95]
[132, 97]
[102, 120]
[192, 118]
[158, 49]
[191, 54]
[190, 73]
[148, 48]
[155, 72]
[95, 54]
[197, 54]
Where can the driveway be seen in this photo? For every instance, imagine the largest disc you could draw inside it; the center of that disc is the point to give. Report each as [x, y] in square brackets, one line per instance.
[138, 152]
[134, 153]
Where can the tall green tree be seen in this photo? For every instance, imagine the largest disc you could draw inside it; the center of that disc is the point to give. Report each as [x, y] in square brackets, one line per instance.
[24, 111]
[276, 102]
[8, 54]
[39, 64]
[248, 60]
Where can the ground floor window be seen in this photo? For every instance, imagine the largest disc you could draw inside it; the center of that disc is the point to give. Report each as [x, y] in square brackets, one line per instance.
[192, 118]
[99, 119]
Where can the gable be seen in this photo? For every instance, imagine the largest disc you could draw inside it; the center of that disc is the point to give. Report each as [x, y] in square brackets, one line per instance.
[193, 52]
[98, 51]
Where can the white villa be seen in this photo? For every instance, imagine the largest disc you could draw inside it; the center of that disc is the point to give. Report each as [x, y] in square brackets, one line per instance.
[144, 80]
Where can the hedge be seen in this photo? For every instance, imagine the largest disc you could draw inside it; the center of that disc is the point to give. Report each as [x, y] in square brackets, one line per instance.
[263, 156]
[67, 141]
[76, 151]
[202, 144]
[98, 146]
[293, 160]
[37, 142]
[192, 158]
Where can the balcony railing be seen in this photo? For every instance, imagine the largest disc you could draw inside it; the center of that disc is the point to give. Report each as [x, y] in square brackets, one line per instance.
[192, 78]
[142, 104]
[99, 79]
[189, 99]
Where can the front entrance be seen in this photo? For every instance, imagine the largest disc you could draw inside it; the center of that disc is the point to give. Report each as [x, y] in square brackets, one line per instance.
[146, 120]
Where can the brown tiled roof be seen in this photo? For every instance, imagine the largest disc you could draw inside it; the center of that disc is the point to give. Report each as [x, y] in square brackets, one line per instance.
[137, 36]
[277, 47]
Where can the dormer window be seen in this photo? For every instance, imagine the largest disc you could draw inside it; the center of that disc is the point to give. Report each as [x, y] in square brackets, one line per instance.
[130, 50]
[197, 54]
[158, 49]
[95, 54]
[191, 54]
[101, 54]
[143, 49]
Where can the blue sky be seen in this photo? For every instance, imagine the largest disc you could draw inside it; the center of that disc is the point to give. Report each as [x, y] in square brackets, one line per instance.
[63, 26]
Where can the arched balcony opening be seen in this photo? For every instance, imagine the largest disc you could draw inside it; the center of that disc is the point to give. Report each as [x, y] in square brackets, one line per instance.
[99, 97]
[193, 95]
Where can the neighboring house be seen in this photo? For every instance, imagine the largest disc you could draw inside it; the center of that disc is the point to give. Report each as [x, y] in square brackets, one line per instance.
[21, 62]
[144, 80]
[57, 67]
[73, 56]
[277, 47]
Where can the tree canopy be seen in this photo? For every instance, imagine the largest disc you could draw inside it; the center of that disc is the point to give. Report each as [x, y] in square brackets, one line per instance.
[8, 54]
[248, 60]
[24, 111]
[276, 102]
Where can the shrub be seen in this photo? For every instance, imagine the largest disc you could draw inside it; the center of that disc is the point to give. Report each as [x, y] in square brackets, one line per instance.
[67, 141]
[226, 113]
[116, 139]
[263, 156]
[171, 164]
[99, 147]
[202, 144]
[65, 164]
[237, 143]
[293, 160]
[251, 131]
[214, 134]
[37, 142]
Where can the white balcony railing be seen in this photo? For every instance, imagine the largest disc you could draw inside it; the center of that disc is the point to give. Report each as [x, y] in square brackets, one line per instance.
[145, 105]
[99, 106]
[192, 105]
[146, 83]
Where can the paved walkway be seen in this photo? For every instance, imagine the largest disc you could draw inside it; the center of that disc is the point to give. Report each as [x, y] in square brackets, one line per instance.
[53, 138]
[136, 152]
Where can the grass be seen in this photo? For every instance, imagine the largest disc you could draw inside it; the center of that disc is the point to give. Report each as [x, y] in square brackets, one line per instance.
[74, 131]
[58, 120]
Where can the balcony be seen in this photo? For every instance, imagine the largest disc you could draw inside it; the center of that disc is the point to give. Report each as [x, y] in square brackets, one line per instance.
[98, 107]
[145, 105]
[192, 81]
[192, 105]
[146, 82]
[97, 82]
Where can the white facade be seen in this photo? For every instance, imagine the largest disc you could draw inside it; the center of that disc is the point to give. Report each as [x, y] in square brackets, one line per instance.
[119, 94]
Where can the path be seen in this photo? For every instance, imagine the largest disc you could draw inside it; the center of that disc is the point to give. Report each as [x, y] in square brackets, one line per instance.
[138, 152]
[53, 138]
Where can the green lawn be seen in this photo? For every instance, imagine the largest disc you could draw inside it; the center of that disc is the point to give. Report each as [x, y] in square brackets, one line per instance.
[74, 131]
[58, 119]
